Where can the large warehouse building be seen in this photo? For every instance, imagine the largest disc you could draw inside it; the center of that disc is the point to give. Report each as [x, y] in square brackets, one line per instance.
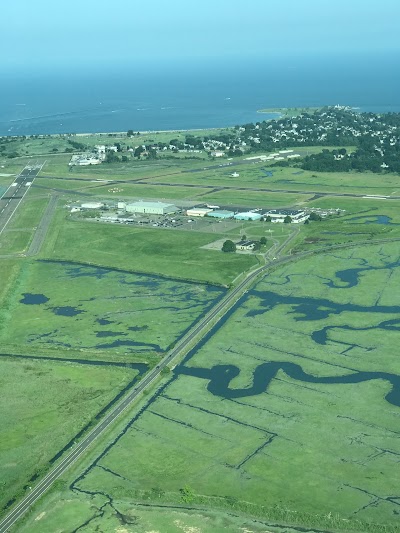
[221, 214]
[249, 215]
[198, 212]
[151, 208]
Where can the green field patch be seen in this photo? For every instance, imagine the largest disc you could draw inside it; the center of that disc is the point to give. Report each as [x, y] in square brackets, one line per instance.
[42, 406]
[170, 253]
[361, 220]
[263, 176]
[29, 213]
[73, 512]
[293, 401]
[15, 242]
[143, 190]
[255, 199]
[60, 306]
[43, 183]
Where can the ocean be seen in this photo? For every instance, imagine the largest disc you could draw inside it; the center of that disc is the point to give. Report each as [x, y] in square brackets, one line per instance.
[191, 95]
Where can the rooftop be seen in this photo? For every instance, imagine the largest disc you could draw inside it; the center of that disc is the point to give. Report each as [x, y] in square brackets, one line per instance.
[143, 203]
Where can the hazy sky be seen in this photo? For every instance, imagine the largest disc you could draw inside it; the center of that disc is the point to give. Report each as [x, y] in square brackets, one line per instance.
[63, 31]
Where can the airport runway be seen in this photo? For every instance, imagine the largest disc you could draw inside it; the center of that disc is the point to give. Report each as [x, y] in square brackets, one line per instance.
[13, 196]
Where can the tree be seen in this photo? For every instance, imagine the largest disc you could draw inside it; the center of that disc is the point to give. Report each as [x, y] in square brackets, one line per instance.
[229, 246]
[315, 216]
[263, 241]
[152, 153]
[111, 157]
[268, 219]
[138, 151]
[244, 238]
[187, 494]
[130, 133]
[287, 219]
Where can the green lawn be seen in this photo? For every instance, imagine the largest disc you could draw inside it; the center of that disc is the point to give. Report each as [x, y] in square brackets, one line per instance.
[15, 242]
[288, 178]
[29, 213]
[255, 199]
[171, 253]
[42, 406]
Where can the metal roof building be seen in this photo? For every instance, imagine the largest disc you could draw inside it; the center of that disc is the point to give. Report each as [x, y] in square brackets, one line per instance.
[153, 208]
[198, 211]
[249, 215]
[221, 214]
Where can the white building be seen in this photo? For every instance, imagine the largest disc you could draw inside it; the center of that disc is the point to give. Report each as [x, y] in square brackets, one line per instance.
[198, 212]
[92, 205]
[153, 208]
[279, 215]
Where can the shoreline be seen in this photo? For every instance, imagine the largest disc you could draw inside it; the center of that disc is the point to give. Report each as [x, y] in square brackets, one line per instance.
[111, 133]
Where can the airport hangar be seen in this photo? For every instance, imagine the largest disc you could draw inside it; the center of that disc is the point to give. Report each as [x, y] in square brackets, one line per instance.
[151, 208]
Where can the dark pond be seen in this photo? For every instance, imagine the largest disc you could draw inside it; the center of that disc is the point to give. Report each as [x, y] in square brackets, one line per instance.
[104, 321]
[142, 345]
[110, 333]
[33, 299]
[373, 219]
[66, 311]
[268, 173]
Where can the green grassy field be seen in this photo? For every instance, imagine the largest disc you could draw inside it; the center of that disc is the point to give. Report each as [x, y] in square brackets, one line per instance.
[142, 190]
[319, 454]
[309, 446]
[73, 511]
[255, 199]
[169, 253]
[20, 230]
[358, 222]
[92, 313]
[63, 398]
[256, 175]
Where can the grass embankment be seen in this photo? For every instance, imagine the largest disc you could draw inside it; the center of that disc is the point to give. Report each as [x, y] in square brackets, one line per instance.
[63, 398]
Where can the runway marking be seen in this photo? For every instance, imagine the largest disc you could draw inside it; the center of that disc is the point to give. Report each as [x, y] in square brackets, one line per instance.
[38, 168]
